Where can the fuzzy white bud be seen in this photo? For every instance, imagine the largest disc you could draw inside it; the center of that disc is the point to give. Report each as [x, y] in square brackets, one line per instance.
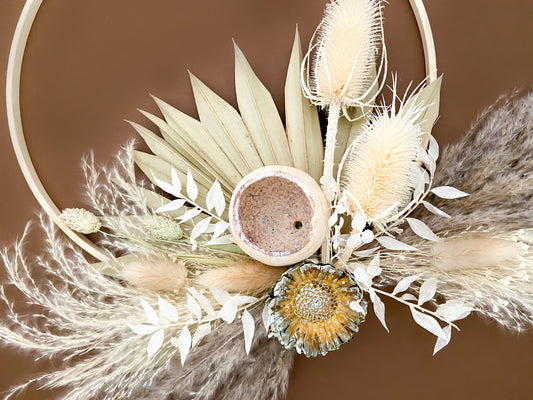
[163, 228]
[80, 220]
[341, 64]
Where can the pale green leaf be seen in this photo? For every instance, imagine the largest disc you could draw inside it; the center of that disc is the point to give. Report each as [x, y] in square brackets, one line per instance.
[350, 126]
[429, 96]
[182, 146]
[260, 114]
[303, 126]
[198, 137]
[227, 128]
[165, 151]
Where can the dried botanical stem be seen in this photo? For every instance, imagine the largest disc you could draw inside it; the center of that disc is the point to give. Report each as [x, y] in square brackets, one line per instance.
[329, 185]
[416, 306]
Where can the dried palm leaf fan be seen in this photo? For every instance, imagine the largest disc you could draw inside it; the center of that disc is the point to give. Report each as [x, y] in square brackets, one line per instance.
[308, 245]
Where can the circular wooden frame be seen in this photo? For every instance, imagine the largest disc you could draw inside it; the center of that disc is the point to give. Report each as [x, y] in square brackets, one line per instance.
[14, 118]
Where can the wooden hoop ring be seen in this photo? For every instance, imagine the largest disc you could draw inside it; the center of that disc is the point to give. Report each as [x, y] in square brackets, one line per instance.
[14, 68]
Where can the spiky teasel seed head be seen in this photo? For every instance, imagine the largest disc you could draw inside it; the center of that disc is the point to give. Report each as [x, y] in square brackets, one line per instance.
[340, 66]
[80, 220]
[382, 167]
[311, 309]
[163, 228]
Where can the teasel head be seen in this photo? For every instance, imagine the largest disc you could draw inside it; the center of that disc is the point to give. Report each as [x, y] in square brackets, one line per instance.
[340, 66]
[384, 166]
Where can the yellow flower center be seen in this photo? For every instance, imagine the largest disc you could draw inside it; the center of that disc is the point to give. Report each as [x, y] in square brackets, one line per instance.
[315, 302]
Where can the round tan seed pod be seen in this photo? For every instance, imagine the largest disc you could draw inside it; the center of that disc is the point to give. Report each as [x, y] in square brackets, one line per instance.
[278, 215]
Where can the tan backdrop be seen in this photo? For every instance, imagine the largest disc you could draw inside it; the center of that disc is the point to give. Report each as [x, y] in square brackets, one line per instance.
[91, 64]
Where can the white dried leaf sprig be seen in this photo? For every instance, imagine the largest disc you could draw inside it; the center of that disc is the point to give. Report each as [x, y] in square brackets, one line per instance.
[447, 312]
[213, 209]
[201, 316]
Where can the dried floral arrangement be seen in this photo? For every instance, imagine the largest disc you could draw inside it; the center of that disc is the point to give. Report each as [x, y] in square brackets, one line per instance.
[248, 239]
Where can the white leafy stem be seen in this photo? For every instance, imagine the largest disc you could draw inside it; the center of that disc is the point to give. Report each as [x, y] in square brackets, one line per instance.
[192, 191]
[155, 325]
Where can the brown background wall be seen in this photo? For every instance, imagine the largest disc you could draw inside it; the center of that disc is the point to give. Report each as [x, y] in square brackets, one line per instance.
[91, 64]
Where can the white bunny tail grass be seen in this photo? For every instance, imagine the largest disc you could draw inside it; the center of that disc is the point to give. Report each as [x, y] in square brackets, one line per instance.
[341, 63]
[157, 273]
[382, 166]
[476, 251]
[500, 289]
[245, 276]
[83, 325]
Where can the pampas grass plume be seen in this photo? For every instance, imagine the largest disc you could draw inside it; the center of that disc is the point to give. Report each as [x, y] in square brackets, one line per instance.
[381, 167]
[245, 276]
[346, 48]
[475, 252]
[158, 274]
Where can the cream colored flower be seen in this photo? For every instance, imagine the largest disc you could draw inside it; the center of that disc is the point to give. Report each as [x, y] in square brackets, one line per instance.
[341, 64]
[80, 220]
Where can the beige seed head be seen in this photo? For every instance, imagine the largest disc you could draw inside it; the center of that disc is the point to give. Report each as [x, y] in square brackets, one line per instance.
[80, 220]
[158, 274]
[341, 64]
[163, 228]
[381, 168]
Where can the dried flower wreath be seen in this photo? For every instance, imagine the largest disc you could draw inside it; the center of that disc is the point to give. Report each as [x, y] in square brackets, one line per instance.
[245, 218]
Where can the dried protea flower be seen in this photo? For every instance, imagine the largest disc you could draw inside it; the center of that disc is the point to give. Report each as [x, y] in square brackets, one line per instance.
[163, 228]
[341, 64]
[383, 165]
[312, 309]
[80, 220]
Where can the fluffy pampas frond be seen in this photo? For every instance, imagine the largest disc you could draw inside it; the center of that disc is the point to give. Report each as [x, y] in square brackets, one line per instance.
[382, 166]
[342, 62]
[228, 373]
[246, 276]
[87, 327]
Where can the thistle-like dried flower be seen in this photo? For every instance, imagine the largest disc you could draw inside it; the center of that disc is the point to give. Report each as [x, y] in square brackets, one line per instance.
[341, 64]
[383, 165]
[81, 220]
[315, 308]
[163, 228]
